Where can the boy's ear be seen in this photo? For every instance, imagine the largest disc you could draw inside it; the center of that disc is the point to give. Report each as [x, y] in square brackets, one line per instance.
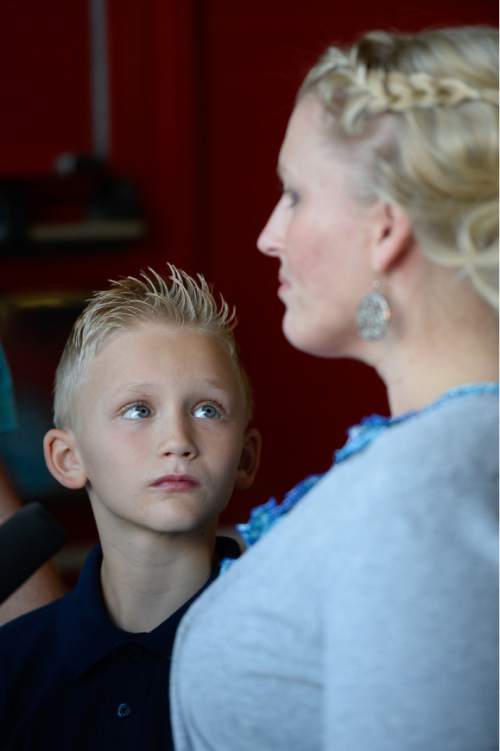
[63, 459]
[393, 233]
[249, 460]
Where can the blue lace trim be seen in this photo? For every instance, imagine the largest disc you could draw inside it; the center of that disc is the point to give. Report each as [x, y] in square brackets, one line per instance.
[264, 517]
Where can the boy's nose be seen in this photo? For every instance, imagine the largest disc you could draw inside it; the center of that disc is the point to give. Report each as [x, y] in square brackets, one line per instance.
[176, 440]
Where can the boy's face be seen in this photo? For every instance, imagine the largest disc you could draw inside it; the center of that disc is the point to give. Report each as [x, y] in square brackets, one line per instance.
[160, 429]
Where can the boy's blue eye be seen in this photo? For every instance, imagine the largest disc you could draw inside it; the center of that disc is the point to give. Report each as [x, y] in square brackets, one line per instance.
[136, 412]
[207, 411]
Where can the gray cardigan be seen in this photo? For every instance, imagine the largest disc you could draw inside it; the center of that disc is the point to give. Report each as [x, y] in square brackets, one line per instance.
[367, 617]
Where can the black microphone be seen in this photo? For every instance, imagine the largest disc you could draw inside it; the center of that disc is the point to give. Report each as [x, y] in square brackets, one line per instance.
[27, 539]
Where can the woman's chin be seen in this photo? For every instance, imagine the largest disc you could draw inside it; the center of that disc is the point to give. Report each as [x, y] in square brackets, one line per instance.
[316, 340]
[301, 336]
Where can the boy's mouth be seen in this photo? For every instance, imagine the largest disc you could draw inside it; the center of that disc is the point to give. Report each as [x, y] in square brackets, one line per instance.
[175, 482]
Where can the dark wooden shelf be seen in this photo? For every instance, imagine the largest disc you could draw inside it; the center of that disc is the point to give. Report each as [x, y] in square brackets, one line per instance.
[95, 230]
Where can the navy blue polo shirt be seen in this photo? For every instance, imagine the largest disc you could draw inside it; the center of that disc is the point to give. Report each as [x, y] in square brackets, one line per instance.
[71, 679]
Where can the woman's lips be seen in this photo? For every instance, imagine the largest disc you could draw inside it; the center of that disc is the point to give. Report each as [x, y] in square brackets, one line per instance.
[283, 290]
[284, 284]
[175, 483]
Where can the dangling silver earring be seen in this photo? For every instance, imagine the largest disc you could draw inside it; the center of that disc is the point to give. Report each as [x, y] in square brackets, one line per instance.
[373, 314]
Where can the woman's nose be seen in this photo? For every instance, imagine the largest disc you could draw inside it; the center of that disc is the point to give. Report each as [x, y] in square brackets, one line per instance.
[270, 240]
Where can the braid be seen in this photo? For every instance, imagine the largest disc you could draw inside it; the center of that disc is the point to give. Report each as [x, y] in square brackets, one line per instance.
[377, 91]
[396, 92]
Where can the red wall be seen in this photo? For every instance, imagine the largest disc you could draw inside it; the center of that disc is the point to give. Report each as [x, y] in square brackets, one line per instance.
[200, 94]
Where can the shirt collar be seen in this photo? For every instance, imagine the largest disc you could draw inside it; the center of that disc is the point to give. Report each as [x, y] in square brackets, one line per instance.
[86, 632]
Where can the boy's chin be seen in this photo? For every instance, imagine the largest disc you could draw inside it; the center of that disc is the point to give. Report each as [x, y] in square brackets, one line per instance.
[175, 517]
[184, 525]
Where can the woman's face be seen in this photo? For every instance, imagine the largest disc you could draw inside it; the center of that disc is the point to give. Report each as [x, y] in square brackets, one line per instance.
[321, 236]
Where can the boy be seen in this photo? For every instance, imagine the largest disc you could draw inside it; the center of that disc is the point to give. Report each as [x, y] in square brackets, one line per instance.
[151, 411]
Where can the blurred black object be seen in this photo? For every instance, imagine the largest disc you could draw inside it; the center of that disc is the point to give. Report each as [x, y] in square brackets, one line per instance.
[81, 203]
[27, 540]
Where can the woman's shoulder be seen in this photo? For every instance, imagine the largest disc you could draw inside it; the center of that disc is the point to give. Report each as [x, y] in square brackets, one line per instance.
[450, 451]
[439, 462]
[450, 432]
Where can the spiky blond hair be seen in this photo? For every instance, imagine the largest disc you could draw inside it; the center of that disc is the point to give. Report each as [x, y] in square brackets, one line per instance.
[181, 300]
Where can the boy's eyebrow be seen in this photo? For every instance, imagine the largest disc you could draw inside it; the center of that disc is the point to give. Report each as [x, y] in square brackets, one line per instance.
[145, 385]
[212, 383]
[215, 383]
[139, 386]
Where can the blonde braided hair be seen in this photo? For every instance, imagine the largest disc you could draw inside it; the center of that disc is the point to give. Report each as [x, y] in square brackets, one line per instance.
[395, 92]
[420, 114]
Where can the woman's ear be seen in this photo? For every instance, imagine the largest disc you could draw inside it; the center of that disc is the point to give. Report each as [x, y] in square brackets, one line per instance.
[249, 460]
[393, 236]
[63, 458]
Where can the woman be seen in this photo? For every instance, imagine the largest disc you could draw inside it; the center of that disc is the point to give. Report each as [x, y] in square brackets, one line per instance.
[366, 618]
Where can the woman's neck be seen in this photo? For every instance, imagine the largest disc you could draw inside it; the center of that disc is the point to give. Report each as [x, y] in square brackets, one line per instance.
[405, 393]
[436, 353]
